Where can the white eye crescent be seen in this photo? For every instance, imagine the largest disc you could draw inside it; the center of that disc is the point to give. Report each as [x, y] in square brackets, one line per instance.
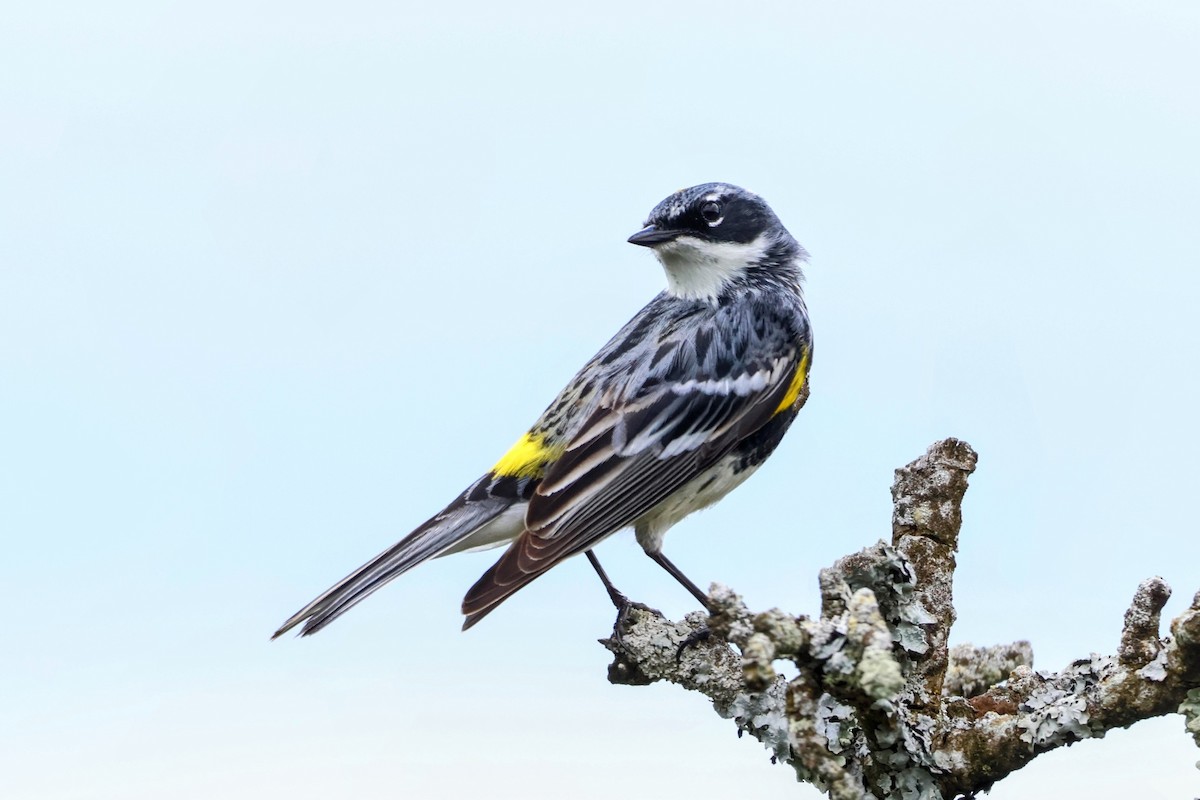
[711, 211]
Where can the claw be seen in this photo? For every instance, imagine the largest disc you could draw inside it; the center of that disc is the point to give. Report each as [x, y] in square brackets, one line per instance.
[702, 634]
[624, 606]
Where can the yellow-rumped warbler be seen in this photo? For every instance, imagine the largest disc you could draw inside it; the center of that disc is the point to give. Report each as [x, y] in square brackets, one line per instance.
[679, 408]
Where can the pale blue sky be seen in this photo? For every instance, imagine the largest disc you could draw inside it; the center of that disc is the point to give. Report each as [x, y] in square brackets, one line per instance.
[279, 279]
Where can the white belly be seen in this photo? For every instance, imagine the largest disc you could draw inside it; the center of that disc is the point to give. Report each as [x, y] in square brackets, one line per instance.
[698, 493]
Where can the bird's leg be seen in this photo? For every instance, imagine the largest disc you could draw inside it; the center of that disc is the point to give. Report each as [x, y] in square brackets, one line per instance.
[624, 604]
[666, 564]
[701, 634]
[617, 597]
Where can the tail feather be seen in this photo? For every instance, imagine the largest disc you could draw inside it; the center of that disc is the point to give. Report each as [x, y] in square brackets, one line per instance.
[500, 582]
[439, 534]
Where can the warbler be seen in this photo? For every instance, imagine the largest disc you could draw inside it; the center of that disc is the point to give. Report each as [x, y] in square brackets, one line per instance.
[678, 409]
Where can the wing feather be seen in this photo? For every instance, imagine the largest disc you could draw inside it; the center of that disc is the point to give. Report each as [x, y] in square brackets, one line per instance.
[622, 470]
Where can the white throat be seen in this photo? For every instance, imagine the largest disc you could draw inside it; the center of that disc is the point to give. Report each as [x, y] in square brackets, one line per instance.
[699, 270]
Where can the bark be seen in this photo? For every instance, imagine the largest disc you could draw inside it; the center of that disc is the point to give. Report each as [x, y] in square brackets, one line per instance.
[875, 703]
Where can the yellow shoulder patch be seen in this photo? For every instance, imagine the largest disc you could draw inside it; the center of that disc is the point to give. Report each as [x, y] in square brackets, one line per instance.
[797, 384]
[527, 458]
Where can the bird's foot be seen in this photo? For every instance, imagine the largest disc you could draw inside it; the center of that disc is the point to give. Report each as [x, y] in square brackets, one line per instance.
[625, 607]
[625, 670]
[701, 634]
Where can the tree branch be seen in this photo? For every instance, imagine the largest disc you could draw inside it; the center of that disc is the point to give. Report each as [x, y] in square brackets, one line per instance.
[879, 705]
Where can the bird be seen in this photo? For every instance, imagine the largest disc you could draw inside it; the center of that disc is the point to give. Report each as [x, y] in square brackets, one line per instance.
[679, 408]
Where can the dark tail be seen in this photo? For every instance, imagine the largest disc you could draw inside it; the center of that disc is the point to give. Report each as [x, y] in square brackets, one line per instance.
[441, 533]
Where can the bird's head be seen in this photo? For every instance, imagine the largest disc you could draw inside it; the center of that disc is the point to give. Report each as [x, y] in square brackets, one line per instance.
[717, 236]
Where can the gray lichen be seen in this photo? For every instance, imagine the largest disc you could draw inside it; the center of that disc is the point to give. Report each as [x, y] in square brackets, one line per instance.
[877, 671]
[868, 700]
[1139, 637]
[974, 670]
[1052, 717]
[764, 716]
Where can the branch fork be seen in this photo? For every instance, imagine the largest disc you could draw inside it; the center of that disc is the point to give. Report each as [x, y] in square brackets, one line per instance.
[879, 705]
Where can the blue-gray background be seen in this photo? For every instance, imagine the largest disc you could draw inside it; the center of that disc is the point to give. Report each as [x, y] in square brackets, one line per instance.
[278, 279]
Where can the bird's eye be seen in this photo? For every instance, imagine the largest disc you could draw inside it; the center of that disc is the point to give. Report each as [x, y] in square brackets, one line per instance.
[711, 211]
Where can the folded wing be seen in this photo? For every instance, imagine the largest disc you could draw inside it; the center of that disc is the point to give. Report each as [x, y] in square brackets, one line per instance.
[628, 457]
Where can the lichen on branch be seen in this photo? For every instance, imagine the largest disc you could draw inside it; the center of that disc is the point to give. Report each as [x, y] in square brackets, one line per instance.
[873, 702]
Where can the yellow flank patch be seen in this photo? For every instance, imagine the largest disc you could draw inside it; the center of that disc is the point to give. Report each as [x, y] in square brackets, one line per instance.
[527, 458]
[797, 385]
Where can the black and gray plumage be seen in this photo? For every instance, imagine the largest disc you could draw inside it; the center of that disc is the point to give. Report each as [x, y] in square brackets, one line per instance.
[678, 409]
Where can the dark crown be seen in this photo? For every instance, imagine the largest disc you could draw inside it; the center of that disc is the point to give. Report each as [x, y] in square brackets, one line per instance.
[717, 212]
